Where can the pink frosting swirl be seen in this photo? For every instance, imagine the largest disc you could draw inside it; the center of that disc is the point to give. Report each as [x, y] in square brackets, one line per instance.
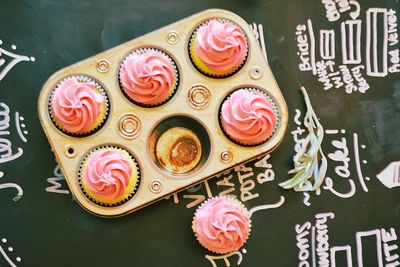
[221, 226]
[222, 46]
[107, 174]
[248, 117]
[77, 105]
[148, 77]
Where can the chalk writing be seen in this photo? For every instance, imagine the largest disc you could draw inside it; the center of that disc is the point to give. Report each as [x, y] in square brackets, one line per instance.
[382, 56]
[318, 235]
[314, 248]
[334, 8]
[340, 158]
[55, 187]
[6, 151]
[393, 39]
[6, 147]
[15, 59]
[241, 182]
[226, 257]
[9, 249]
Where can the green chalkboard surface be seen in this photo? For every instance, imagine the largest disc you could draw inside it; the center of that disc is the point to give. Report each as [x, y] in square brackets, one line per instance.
[346, 54]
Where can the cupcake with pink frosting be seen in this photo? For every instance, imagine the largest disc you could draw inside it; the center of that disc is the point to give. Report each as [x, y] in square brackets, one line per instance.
[222, 224]
[249, 117]
[78, 106]
[109, 176]
[148, 77]
[218, 48]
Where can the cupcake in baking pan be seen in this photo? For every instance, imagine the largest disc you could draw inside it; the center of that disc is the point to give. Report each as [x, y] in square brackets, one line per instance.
[249, 117]
[148, 77]
[218, 48]
[222, 224]
[109, 176]
[178, 150]
[78, 106]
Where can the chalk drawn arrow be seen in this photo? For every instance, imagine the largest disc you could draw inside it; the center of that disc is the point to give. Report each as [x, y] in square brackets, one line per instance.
[390, 176]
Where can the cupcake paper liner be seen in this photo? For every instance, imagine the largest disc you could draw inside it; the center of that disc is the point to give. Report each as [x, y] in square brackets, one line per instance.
[99, 202]
[274, 107]
[233, 200]
[175, 85]
[208, 72]
[102, 118]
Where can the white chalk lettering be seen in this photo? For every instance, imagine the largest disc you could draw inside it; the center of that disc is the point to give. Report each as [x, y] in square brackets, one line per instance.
[303, 48]
[6, 152]
[341, 155]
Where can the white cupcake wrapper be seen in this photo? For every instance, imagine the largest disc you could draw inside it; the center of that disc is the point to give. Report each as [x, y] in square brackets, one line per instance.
[174, 66]
[213, 75]
[274, 107]
[101, 90]
[85, 160]
[233, 200]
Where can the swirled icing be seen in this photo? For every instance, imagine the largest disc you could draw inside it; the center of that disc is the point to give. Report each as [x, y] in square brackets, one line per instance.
[148, 77]
[77, 105]
[248, 117]
[221, 226]
[107, 174]
[222, 46]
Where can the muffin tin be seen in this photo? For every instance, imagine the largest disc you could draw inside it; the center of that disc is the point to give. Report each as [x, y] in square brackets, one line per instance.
[194, 106]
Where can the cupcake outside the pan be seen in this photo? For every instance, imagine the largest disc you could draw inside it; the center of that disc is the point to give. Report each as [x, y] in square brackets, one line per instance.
[222, 224]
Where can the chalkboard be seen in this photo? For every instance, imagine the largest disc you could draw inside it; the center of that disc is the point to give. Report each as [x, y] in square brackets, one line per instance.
[346, 54]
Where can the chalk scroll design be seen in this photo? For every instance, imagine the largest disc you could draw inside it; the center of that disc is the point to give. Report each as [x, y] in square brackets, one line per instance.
[4, 249]
[15, 59]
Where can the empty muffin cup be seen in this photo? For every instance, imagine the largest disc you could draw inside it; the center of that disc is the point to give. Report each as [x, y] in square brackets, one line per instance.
[179, 145]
